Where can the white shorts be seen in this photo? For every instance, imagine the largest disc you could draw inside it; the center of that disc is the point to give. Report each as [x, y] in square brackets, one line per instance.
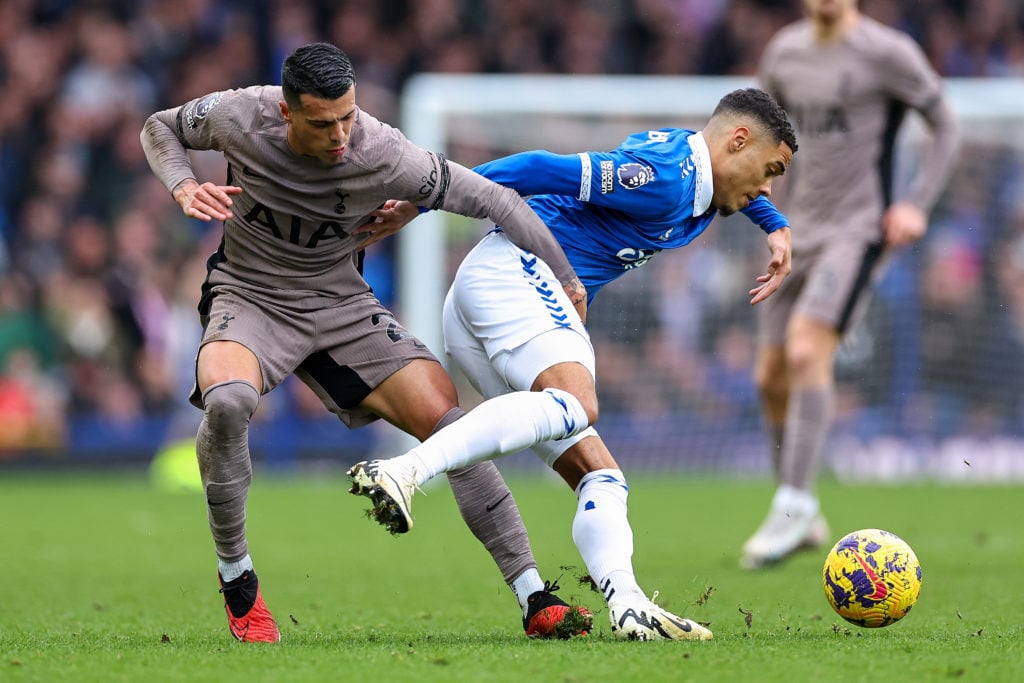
[507, 319]
[503, 300]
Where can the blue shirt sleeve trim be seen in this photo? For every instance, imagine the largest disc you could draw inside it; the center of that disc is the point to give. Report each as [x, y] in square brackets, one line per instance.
[764, 214]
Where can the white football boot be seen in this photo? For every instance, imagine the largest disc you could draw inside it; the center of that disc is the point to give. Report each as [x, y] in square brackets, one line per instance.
[793, 523]
[644, 620]
[819, 535]
[390, 488]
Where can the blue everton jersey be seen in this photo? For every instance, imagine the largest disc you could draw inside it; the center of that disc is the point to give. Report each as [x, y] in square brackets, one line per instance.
[612, 211]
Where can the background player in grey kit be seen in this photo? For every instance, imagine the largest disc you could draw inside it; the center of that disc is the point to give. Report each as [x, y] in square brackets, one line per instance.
[284, 294]
[846, 80]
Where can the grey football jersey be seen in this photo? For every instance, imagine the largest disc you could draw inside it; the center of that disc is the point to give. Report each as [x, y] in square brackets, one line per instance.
[846, 100]
[290, 239]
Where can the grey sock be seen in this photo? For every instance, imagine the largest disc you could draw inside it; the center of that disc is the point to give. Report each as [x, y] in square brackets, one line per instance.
[808, 423]
[491, 513]
[776, 432]
[222, 447]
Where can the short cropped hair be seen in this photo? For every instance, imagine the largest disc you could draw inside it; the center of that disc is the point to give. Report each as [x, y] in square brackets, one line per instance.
[318, 69]
[765, 110]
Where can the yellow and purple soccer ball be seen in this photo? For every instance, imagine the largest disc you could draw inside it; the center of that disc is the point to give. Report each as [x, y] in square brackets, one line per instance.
[872, 578]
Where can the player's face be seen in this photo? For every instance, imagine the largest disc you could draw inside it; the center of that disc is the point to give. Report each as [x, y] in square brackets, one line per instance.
[321, 128]
[748, 170]
[828, 11]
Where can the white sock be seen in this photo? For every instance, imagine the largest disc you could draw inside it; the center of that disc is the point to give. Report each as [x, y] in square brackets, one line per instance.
[229, 571]
[502, 425]
[602, 533]
[795, 501]
[525, 585]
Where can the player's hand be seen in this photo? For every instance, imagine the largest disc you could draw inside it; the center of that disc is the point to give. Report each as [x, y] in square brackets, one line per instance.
[780, 242]
[387, 220]
[578, 296]
[903, 224]
[205, 202]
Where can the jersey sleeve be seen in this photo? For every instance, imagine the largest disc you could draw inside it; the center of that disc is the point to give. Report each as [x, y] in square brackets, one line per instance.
[616, 180]
[763, 213]
[909, 76]
[417, 175]
[538, 172]
[431, 181]
[912, 80]
[203, 123]
[168, 134]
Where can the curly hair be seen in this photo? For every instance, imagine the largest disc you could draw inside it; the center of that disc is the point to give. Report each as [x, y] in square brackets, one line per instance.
[764, 108]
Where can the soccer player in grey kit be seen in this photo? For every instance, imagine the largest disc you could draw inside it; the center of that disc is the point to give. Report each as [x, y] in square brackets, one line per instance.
[846, 80]
[284, 294]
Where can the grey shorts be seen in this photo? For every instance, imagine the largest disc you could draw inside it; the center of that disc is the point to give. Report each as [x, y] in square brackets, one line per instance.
[342, 353]
[831, 284]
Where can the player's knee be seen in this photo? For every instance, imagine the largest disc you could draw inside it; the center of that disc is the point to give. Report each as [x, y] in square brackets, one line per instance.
[229, 406]
[584, 396]
[573, 411]
[584, 405]
[804, 357]
[590, 407]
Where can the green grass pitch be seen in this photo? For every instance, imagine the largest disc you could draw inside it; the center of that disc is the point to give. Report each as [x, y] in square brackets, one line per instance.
[103, 578]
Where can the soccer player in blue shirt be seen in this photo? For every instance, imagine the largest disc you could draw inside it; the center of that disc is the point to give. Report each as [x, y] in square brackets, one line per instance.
[520, 342]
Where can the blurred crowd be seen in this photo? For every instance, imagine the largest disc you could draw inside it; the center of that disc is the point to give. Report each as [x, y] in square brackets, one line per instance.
[100, 272]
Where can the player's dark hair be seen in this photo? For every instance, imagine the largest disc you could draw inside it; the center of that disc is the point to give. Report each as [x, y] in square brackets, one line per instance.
[763, 108]
[318, 69]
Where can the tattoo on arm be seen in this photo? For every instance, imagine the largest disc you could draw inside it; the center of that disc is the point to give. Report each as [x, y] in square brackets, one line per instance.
[576, 291]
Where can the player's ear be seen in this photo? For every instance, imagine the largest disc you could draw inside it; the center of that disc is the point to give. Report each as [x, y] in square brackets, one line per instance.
[285, 112]
[740, 138]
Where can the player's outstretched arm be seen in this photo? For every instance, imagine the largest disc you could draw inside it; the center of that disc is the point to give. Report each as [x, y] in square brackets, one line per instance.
[168, 159]
[780, 243]
[394, 215]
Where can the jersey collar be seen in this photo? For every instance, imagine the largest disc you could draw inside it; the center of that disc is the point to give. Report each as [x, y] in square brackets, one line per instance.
[703, 189]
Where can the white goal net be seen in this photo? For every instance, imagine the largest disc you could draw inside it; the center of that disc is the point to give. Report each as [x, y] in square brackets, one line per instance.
[930, 384]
